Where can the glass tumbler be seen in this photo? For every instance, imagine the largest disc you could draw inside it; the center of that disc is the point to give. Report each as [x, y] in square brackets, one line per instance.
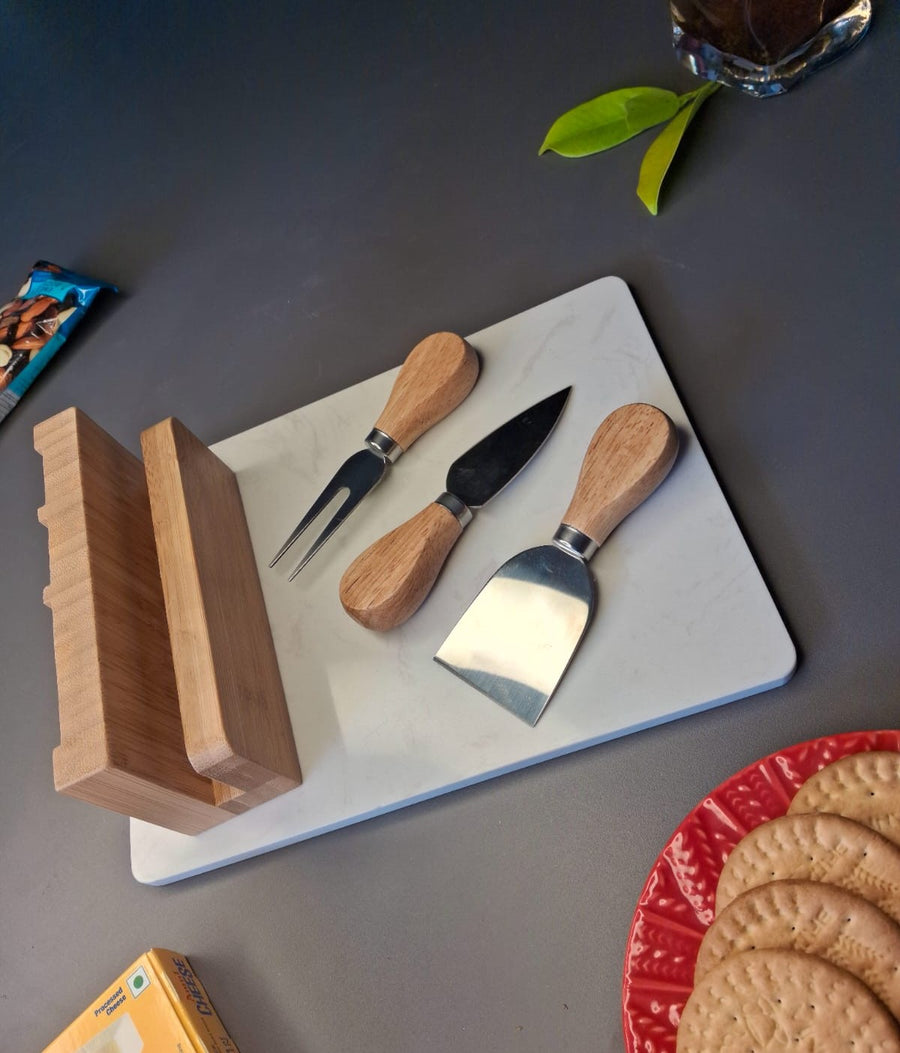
[764, 47]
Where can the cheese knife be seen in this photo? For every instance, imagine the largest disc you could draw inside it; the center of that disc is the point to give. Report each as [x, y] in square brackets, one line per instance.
[517, 637]
[387, 583]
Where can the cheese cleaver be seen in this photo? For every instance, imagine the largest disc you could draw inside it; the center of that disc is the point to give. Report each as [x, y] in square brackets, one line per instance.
[517, 637]
[386, 584]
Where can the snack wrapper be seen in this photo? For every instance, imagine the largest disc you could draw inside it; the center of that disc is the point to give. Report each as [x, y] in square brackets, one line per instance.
[35, 325]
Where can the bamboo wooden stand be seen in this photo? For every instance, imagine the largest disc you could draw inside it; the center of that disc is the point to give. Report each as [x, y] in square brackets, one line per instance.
[171, 707]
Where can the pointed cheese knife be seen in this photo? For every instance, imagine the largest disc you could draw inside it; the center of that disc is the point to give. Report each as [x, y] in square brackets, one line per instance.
[516, 639]
[386, 584]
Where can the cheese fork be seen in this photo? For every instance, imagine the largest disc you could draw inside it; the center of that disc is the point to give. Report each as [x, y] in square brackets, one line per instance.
[436, 376]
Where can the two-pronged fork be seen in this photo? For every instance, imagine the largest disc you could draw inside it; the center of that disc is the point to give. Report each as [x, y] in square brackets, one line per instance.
[434, 379]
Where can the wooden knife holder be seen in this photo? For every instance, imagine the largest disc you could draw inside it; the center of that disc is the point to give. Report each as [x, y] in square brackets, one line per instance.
[171, 706]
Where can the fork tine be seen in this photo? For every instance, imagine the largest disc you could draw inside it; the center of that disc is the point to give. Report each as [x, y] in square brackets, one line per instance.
[315, 509]
[358, 474]
[346, 507]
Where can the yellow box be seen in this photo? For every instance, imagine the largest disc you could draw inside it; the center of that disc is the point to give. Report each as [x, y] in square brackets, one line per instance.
[156, 1006]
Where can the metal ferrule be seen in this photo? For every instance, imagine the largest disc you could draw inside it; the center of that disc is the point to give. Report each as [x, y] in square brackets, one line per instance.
[382, 444]
[459, 508]
[574, 542]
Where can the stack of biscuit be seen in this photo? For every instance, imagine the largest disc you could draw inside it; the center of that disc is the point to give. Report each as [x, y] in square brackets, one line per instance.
[804, 950]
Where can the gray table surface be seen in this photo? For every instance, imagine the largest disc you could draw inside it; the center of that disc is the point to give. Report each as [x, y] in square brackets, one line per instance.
[290, 196]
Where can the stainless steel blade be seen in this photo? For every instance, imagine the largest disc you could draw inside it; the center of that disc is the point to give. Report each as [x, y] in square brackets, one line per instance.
[519, 634]
[493, 462]
[388, 582]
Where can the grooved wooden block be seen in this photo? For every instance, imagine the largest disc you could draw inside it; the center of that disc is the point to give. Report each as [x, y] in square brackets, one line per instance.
[236, 724]
[121, 741]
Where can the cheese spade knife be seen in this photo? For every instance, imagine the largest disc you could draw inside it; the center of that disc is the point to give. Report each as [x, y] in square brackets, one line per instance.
[517, 637]
[386, 584]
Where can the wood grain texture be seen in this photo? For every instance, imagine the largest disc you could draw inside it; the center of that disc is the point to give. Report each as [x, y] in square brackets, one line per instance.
[236, 724]
[628, 457]
[386, 584]
[121, 741]
[436, 376]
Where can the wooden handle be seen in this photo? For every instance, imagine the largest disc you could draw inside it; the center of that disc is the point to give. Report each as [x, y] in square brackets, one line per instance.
[437, 375]
[629, 456]
[388, 582]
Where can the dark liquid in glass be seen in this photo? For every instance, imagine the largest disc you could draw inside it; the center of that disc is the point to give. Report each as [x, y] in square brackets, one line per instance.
[762, 31]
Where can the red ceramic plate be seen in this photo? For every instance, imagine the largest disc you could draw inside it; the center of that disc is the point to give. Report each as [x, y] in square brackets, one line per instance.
[676, 904]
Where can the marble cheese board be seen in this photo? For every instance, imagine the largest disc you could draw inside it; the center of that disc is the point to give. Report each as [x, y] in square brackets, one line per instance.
[685, 621]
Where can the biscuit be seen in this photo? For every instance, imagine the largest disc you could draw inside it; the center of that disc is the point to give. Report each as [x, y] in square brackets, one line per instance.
[773, 1001]
[815, 918]
[863, 786]
[815, 847]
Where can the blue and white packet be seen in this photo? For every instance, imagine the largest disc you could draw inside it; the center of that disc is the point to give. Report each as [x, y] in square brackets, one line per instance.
[35, 325]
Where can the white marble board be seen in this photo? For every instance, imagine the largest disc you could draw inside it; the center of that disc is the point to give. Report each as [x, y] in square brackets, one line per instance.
[684, 620]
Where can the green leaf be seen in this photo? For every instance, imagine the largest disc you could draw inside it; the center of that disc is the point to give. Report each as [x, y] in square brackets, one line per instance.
[609, 120]
[661, 151]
